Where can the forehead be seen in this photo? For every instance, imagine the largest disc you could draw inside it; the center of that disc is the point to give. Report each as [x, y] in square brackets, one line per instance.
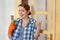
[21, 7]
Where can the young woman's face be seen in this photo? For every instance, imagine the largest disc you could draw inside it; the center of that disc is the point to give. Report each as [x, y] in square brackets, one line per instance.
[22, 12]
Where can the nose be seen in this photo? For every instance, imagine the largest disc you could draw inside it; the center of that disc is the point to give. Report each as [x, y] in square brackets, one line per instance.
[20, 12]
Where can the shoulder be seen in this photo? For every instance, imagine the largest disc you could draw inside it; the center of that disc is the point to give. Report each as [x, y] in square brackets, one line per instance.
[32, 20]
[16, 21]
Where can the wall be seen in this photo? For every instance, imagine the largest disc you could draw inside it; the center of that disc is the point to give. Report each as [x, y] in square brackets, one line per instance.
[6, 9]
[2, 20]
[9, 11]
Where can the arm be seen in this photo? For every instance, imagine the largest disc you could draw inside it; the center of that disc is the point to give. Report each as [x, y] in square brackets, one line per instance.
[37, 33]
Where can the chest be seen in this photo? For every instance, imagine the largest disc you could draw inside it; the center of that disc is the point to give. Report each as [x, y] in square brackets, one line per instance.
[24, 24]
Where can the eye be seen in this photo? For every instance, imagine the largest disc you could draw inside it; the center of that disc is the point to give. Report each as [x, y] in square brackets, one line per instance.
[22, 10]
[18, 10]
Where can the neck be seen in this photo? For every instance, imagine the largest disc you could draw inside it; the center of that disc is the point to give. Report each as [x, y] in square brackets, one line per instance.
[25, 19]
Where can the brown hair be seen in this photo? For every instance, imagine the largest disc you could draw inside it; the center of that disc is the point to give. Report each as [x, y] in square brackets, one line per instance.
[26, 6]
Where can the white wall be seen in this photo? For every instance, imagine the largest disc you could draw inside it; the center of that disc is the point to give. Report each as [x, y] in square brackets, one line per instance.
[6, 9]
[2, 20]
[9, 11]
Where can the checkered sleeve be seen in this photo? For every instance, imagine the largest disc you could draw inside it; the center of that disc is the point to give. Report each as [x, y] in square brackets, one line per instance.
[35, 28]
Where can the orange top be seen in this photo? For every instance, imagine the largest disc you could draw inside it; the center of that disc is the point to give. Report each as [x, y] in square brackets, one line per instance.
[11, 28]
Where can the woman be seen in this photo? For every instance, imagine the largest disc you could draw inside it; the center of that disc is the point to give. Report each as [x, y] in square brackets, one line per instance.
[26, 27]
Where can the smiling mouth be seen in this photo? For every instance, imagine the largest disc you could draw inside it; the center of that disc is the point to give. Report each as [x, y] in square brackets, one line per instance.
[21, 15]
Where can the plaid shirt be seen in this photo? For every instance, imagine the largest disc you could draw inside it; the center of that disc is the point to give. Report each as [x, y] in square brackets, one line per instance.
[29, 30]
